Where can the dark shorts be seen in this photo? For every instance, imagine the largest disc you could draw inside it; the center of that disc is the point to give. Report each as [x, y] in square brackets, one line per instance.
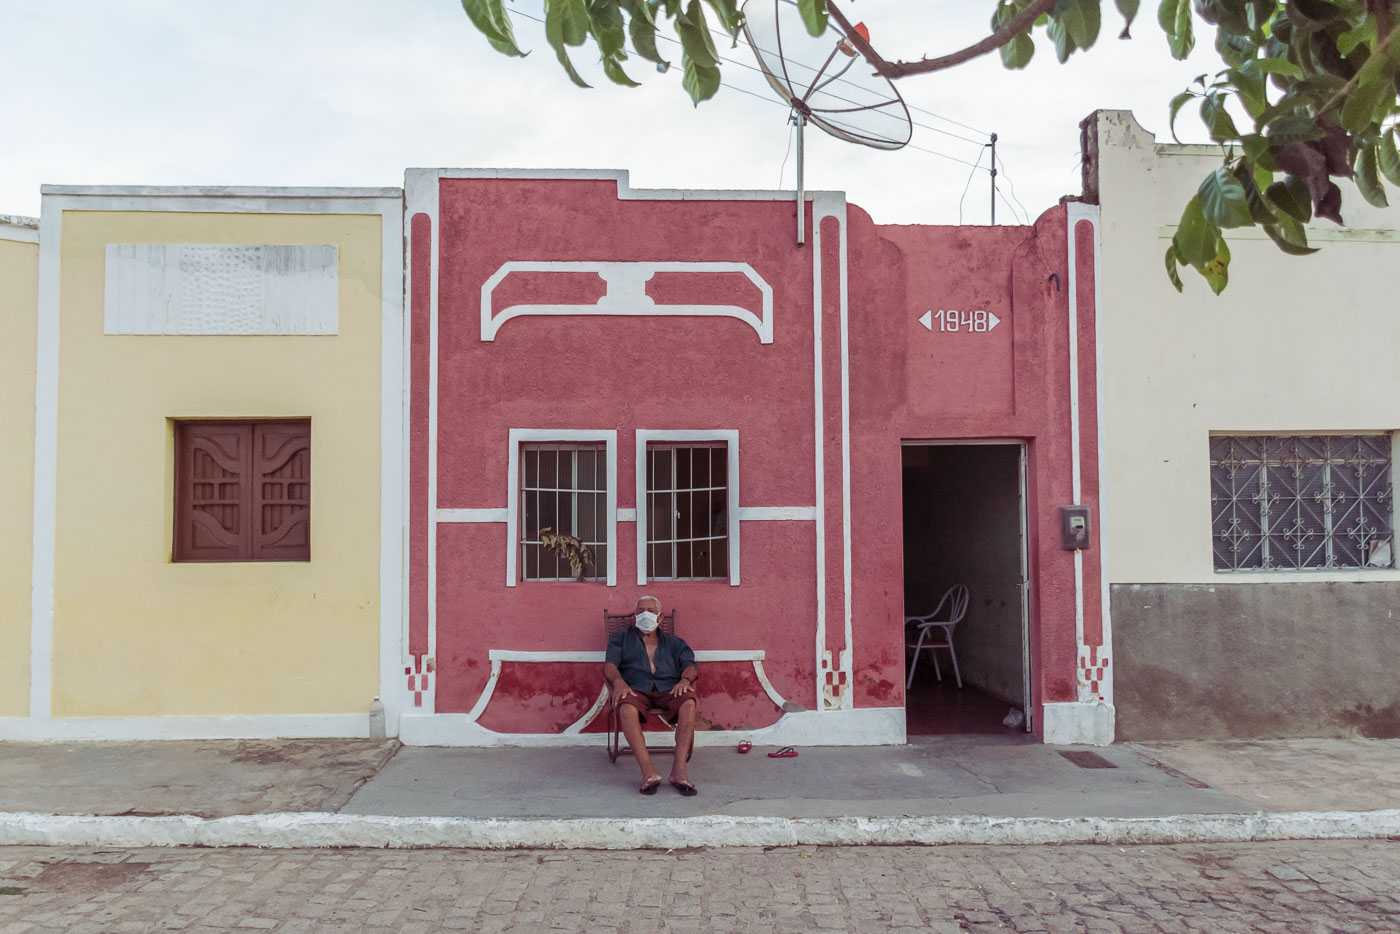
[668, 703]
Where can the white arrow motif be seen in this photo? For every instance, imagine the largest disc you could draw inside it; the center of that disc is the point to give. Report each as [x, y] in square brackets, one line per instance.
[926, 319]
[992, 320]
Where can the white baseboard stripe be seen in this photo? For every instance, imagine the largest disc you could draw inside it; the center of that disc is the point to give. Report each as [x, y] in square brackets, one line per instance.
[346, 830]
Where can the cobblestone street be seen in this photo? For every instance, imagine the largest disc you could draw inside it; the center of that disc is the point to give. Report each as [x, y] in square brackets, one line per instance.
[1261, 887]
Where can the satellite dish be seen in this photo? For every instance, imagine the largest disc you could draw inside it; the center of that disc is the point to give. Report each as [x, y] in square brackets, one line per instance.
[816, 77]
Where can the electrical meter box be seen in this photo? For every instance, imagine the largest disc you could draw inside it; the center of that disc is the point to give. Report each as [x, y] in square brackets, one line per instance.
[1074, 528]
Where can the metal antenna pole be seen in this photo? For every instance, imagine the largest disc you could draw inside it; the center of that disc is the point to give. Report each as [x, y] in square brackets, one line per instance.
[994, 179]
[801, 192]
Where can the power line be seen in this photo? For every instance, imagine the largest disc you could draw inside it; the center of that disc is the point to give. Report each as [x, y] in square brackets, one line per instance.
[1024, 213]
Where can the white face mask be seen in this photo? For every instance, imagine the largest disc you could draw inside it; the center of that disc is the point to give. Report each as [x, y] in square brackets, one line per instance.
[646, 621]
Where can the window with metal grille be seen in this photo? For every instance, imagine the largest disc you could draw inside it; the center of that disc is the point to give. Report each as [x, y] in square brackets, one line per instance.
[243, 490]
[687, 511]
[1306, 501]
[563, 488]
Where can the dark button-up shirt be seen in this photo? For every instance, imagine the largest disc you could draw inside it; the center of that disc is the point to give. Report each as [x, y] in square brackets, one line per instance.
[627, 651]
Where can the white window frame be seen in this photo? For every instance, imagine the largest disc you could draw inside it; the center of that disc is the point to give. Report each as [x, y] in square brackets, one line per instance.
[520, 436]
[646, 437]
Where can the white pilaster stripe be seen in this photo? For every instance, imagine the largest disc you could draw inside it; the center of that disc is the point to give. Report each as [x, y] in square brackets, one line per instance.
[45, 460]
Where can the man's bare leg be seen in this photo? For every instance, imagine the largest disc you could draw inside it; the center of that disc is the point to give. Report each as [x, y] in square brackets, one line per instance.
[632, 730]
[685, 736]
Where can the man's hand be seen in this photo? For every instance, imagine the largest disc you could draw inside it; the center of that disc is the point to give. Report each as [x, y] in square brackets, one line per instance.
[683, 686]
[619, 691]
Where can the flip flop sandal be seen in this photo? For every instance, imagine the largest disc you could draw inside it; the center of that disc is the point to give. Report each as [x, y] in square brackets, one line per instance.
[745, 746]
[650, 789]
[687, 790]
[787, 752]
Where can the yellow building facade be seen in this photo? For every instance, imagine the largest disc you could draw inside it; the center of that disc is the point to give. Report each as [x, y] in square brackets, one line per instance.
[152, 309]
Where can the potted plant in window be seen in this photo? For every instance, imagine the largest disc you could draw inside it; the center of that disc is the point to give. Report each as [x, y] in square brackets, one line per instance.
[568, 547]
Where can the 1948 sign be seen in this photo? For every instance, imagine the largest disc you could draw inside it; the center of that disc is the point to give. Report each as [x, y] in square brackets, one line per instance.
[960, 322]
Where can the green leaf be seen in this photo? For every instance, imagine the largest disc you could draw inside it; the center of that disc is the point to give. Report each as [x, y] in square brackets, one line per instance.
[614, 71]
[1217, 271]
[1368, 177]
[1216, 119]
[1363, 34]
[641, 28]
[1256, 147]
[1082, 18]
[606, 24]
[727, 12]
[814, 15]
[1058, 31]
[1129, 9]
[1175, 19]
[1173, 260]
[1249, 177]
[1223, 201]
[1291, 196]
[1279, 66]
[1293, 128]
[695, 36]
[1290, 237]
[1196, 238]
[1359, 111]
[1177, 103]
[700, 81]
[492, 21]
[566, 22]
[1249, 84]
[1017, 53]
[1388, 159]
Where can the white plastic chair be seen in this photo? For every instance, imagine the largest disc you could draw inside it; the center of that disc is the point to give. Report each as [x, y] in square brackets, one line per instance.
[949, 612]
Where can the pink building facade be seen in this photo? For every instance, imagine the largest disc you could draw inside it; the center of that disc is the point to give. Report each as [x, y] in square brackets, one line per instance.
[792, 446]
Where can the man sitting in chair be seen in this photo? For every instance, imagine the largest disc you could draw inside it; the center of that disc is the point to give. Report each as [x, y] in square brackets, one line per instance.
[647, 668]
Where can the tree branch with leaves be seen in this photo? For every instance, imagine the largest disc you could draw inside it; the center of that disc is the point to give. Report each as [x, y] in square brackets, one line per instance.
[1315, 79]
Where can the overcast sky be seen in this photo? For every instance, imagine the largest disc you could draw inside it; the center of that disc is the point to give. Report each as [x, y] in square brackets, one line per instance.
[350, 92]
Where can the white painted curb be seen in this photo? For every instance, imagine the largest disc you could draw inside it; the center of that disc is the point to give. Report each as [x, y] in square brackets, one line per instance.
[344, 830]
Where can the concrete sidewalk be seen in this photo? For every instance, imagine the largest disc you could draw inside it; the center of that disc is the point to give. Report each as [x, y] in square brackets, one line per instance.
[380, 791]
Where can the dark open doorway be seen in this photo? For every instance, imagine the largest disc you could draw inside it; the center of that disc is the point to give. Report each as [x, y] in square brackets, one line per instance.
[964, 523]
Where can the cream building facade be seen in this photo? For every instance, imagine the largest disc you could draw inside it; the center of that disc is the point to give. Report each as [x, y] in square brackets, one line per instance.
[1248, 459]
[152, 314]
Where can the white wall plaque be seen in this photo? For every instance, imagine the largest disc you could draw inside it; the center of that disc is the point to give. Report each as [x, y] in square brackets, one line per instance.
[220, 288]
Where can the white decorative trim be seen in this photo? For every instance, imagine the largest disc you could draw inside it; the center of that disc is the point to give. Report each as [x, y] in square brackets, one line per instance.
[819, 447]
[597, 657]
[777, 513]
[561, 435]
[863, 726]
[393, 565]
[626, 515]
[501, 514]
[730, 437]
[19, 229]
[221, 289]
[626, 294]
[1072, 724]
[268, 726]
[704, 656]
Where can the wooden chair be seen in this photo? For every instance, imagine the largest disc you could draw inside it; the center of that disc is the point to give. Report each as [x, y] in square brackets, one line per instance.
[617, 746]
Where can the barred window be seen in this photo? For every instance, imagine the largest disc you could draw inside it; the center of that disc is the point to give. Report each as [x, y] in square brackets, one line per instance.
[563, 488]
[687, 511]
[1308, 501]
